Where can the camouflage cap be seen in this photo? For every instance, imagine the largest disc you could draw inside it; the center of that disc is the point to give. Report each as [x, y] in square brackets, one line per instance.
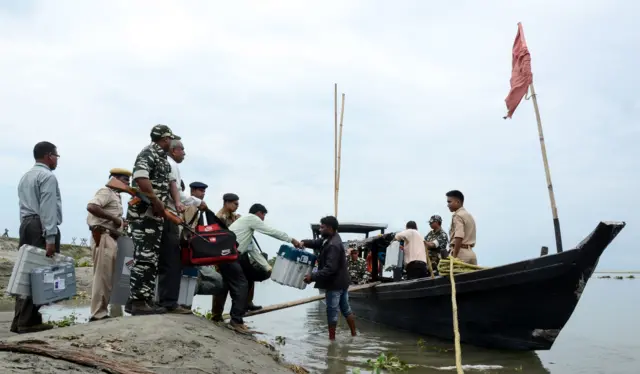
[162, 131]
[435, 218]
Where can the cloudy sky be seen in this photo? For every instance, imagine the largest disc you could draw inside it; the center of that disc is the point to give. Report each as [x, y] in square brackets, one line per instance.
[249, 87]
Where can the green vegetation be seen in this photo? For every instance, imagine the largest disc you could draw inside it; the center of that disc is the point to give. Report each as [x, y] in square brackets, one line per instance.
[83, 263]
[208, 315]
[67, 321]
[388, 362]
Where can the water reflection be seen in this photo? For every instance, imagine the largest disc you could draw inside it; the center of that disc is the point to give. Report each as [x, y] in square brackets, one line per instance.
[429, 355]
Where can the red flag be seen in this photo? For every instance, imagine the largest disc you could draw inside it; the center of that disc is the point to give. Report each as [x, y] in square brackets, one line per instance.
[521, 76]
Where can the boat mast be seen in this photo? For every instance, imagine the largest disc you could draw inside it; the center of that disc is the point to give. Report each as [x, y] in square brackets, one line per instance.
[337, 150]
[521, 82]
[552, 197]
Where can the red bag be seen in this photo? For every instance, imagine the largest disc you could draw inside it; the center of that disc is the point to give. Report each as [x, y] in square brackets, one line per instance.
[218, 246]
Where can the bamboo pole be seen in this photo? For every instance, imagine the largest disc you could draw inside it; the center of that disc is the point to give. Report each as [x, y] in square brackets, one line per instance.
[274, 307]
[335, 149]
[554, 209]
[339, 156]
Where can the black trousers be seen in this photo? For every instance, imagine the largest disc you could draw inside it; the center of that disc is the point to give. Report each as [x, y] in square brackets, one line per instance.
[26, 314]
[169, 266]
[236, 284]
[417, 269]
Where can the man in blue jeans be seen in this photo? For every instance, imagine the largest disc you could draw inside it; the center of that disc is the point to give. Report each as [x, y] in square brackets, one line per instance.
[333, 274]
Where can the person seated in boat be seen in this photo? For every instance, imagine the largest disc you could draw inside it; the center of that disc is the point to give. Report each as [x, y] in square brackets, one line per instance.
[463, 229]
[436, 242]
[415, 257]
[357, 268]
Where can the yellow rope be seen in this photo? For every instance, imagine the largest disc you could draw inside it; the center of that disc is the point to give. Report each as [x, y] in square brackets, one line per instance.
[458, 266]
[454, 308]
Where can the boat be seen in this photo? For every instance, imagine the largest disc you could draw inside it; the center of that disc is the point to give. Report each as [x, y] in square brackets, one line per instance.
[521, 306]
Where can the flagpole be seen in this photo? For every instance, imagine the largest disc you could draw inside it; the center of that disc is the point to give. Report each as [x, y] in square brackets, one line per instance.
[554, 209]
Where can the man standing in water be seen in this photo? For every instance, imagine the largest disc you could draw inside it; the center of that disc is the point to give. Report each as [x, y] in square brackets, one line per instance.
[332, 275]
[463, 229]
[40, 215]
[151, 174]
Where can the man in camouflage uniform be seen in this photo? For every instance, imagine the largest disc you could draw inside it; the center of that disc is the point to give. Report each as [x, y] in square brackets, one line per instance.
[357, 268]
[151, 175]
[436, 242]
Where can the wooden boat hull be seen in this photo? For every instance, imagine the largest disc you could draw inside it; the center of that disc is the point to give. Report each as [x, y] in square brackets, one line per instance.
[519, 306]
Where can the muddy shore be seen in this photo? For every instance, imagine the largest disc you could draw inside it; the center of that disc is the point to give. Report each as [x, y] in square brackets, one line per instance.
[145, 344]
[129, 345]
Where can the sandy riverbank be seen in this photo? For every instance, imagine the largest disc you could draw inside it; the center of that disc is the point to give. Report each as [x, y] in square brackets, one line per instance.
[146, 344]
[84, 274]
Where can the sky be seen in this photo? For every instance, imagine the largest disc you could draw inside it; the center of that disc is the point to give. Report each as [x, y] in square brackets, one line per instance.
[248, 85]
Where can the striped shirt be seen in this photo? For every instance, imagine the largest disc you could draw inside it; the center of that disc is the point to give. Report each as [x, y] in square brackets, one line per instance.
[38, 194]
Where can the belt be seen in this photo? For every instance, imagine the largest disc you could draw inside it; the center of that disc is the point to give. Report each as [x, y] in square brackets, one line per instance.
[103, 230]
[465, 246]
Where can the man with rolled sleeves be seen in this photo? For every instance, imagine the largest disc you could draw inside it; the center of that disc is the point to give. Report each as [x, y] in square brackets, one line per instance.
[463, 229]
[151, 174]
[106, 223]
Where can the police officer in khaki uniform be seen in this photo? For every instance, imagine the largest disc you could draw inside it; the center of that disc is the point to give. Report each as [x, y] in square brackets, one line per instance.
[463, 229]
[106, 225]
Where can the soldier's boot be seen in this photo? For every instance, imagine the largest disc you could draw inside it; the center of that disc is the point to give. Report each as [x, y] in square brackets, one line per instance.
[351, 321]
[332, 332]
[142, 307]
[127, 306]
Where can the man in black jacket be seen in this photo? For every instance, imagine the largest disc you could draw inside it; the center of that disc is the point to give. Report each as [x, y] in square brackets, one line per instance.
[333, 274]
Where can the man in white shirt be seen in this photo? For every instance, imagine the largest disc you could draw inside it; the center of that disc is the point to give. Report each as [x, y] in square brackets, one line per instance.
[244, 228]
[415, 256]
[169, 265]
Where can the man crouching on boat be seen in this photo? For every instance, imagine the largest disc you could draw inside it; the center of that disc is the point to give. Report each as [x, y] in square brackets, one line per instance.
[415, 257]
[463, 229]
[332, 275]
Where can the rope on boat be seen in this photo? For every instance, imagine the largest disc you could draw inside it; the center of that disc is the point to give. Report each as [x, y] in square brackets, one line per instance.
[458, 266]
[454, 308]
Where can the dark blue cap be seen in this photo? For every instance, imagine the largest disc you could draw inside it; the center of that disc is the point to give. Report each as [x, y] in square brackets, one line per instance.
[198, 185]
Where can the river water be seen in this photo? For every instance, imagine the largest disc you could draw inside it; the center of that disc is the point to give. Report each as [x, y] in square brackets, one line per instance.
[600, 337]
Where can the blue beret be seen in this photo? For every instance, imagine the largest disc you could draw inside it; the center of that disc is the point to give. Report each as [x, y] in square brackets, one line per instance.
[198, 185]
